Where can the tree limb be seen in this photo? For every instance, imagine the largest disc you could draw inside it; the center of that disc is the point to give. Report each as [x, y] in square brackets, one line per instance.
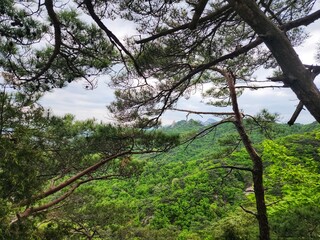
[73, 178]
[205, 113]
[286, 27]
[298, 78]
[207, 130]
[304, 21]
[57, 40]
[198, 10]
[111, 36]
[295, 114]
[223, 10]
[232, 167]
[33, 210]
[248, 211]
[315, 71]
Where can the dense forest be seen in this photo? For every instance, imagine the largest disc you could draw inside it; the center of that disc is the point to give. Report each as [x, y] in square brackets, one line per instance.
[186, 195]
[200, 189]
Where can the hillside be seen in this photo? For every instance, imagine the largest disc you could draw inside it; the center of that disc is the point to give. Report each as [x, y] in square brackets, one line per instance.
[183, 194]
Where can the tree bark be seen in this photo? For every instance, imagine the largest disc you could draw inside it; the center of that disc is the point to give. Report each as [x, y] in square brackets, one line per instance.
[257, 171]
[73, 179]
[298, 78]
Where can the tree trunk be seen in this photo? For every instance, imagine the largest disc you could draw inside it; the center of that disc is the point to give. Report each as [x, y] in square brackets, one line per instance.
[257, 173]
[299, 79]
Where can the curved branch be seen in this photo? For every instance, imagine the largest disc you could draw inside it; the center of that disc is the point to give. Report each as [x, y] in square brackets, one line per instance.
[84, 172]
[57, 40]
[111, 36]
[248, 211]
[207, 130]
[33, 210]
[73, 179]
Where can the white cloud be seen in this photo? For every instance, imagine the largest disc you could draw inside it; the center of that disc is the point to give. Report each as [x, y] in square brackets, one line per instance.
[92, 104]
[82, 103]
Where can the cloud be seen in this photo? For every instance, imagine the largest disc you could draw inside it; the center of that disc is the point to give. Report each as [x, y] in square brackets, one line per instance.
[86, 104]
[82, 103]
[281, 101]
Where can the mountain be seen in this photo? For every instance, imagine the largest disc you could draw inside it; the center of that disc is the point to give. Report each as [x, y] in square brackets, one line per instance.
[209, 121]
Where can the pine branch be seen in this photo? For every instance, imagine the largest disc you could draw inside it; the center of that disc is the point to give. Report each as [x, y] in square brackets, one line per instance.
[248, 211]
[111, 36]
[57, 40]
[295, 114]
[198, 10]
[212, 16]
[33, 210]
[204, 113]
[232, 167]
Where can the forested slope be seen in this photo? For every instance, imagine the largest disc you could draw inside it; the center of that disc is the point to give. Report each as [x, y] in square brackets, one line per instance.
[188, 194]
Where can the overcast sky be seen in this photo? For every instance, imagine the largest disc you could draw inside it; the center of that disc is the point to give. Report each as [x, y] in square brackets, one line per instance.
[84, 104]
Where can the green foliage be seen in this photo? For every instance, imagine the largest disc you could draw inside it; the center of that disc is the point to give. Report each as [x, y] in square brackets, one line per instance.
[182, 194]
[43, 158]
[238, 225]
[188, 193]
[21, 126]
[292, 180]
[67, 51]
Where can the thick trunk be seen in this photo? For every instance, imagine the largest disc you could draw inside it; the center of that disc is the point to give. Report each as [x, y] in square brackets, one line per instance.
[299, 79]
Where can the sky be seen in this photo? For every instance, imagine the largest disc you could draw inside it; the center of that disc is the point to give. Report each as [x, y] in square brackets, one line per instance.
[88, 104]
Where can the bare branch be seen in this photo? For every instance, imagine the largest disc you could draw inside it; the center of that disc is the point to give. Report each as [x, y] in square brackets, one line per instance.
[248, 211]
[295, 114]
[275, 202]
[205, 113]
[232, 167]
[207, 130]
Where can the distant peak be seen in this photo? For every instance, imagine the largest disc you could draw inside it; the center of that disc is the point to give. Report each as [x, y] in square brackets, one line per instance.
[209, 121]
